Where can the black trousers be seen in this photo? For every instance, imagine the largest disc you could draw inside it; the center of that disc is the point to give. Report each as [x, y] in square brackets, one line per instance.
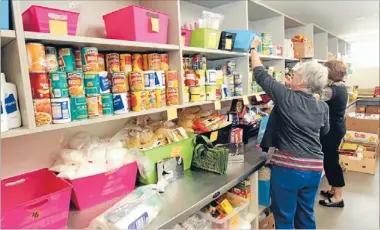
[330, 145]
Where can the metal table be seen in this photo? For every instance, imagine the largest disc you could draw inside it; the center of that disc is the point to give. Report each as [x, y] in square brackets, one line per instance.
[186, 196]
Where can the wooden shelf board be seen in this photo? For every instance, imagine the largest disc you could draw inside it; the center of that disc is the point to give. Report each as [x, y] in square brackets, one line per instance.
[212, 54]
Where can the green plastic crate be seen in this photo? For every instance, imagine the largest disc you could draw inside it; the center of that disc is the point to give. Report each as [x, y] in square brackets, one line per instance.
[185, 149]
[205, 38]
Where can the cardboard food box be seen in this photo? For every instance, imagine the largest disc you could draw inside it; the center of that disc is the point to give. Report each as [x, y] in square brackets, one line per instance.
[365, 165]
[303, 50]
[267, 223]
[361, 137]
[372, 109]
[363, 125]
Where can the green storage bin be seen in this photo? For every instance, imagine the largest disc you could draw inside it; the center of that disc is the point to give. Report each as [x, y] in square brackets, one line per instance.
[205, 38]
[185, 149]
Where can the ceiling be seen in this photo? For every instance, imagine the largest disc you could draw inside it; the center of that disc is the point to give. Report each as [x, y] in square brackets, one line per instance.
[350, 20]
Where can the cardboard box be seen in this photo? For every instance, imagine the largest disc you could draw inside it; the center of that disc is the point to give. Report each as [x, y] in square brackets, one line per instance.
[303, 50]
[360, 108]
[366, 165]
[361, 137]
[353, 146]
[267, 223]
[362, 125]
[372, 109]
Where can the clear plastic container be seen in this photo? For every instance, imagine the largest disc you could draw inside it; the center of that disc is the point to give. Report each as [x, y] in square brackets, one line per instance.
[232, 220]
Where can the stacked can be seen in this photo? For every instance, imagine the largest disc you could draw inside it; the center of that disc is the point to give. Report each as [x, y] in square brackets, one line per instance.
[210, 85]
[172, 90]
[267, 44]
[195, 78]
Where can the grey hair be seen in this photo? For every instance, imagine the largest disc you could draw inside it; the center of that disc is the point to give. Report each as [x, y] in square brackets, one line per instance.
[314, 75]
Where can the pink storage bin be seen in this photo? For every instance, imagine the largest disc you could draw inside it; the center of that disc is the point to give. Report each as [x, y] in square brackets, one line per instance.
[36, 19]
[186, 34]
[134, 23]
[96, 189]
[35, 200]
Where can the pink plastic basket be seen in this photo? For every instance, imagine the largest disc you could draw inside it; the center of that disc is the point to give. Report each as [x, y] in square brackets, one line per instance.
[135, 23]
[36, 19]
[186, 33]
[36, 200]
[96, 189]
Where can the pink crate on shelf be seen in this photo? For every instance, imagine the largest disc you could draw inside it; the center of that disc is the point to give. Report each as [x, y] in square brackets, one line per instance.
[37, 19]
[36, 200]
[135, 23]
[186, 34]
[92, 190]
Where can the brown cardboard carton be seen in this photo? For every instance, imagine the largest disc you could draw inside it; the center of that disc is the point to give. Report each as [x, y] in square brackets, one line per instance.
[267, 223]
[372, 109]
[366, 165]
[303, 50]
[362, 125]
[360, 108]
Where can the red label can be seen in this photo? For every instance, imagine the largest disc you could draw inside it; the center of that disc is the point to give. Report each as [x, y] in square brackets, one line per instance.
[113, 62]
[40, 85]
[164, 62]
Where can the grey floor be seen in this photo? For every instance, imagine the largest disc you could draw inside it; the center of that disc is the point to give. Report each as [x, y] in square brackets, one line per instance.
[361, 197]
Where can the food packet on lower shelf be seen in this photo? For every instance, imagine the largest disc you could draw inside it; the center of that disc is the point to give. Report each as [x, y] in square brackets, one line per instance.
[135, 211]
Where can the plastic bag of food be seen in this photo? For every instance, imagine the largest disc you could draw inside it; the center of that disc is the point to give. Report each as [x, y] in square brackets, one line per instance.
[135, 211]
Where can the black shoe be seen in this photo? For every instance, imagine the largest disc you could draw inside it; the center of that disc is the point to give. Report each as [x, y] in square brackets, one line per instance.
[329, 203]
[326, 194]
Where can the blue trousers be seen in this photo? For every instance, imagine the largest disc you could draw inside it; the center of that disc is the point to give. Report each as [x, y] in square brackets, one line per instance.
[293, 194]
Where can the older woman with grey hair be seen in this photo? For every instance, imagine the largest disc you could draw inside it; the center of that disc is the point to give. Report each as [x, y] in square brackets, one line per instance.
[295, 126]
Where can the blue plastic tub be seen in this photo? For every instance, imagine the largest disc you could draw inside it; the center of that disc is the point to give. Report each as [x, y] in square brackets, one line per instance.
[264, 193]
[4, 15]
[243, 39]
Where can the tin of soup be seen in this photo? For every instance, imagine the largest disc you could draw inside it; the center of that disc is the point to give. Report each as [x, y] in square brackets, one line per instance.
[66, 59]
[113, 62]
[78, 59]
[107, 103]
[119, 82]
[160, 79]
[171, 79]
[94, 106]
[42, 111]
[51, 59]
[154, 61]
[164, 62]
[75, 83]
[36, 57]
[126, 62]
[138, 100]
[101, 63]
[137, 62]
[40, 85]
[172, 96]
[160, 98]
[60, 108]
[120, 103]
[149, 80]
[89, 59]
[136, 81]
[91, 83]
[150, 99]
[78, 108]
[104, 83]
[58, 85]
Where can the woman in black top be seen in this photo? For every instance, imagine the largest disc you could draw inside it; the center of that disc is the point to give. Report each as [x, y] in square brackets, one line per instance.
[335, 95]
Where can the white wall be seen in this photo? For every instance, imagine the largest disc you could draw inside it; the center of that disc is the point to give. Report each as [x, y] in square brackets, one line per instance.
[365, 62]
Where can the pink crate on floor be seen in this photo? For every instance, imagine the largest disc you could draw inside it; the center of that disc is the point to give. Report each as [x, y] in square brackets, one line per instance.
[36, 200]
[186, 33]
[36, 19]
[135, 23]
[96, 189]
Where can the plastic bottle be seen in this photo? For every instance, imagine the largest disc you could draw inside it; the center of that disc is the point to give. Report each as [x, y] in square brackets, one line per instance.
[4, 116]
[11, 103]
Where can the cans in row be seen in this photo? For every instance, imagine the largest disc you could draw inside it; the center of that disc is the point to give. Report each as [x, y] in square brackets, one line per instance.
[88, 59]
[197, 62]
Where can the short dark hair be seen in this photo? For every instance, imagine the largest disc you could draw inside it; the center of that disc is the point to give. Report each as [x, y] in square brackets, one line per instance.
[337, 70]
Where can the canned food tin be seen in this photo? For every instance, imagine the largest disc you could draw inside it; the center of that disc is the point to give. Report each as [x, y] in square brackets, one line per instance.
[218, 92]
[201, 77]
[107, 103]
[171, 79]
[154, 61]
[119, 82]
[120, 103]
[187, 63]
[238, 78]
[75, 81]
[126, 62]
[149, 80]
[202, 93]
[195, 97]
[172, 96]
[231, 67]
[40, 85]
[89, 59]
[78, 107]
[138, 100]
[197, 62]
[94, 106]
[58, 85]
[42, 111]
[219, 77]
[150, 99]
[51, 59]
[91, 83]
[101, 63]
[210, 77]
[113, 62]
[160, 79]
[66, 59]
[137, 62]
[145, 62]
[36, 57]
[60, 108]
[210, 92]
[136, 81]
[104, 83]
[186, 94]
[164, 62]
[160, 98]
[129, 98]
[190, 79]
[78, 59]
